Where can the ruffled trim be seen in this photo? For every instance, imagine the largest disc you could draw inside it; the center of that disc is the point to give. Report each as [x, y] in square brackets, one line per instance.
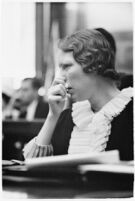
[82, 114]
[33, 150]
[91, 131]
[114, 107]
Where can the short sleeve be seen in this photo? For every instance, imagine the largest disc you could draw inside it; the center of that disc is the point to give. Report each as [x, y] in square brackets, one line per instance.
[33, 150]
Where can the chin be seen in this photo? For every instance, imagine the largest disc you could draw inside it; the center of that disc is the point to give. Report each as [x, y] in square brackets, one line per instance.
[75, 99]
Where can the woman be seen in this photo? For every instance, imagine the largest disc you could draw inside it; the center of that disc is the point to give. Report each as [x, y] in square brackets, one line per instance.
[101, 116]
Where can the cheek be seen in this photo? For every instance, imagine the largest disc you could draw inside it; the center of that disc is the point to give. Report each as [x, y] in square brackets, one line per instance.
[30, 96]
[26, 96]
[79, 80]
[74, 77]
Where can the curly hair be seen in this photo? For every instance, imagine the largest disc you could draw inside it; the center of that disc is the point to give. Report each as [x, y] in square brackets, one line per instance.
[109, 37]
[92, 51]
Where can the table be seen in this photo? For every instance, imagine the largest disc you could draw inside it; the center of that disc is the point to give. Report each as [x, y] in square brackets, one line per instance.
[42, 192]
[69, 184]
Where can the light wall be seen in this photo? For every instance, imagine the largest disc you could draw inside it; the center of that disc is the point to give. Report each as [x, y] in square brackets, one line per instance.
[18, 41]
[113, 16]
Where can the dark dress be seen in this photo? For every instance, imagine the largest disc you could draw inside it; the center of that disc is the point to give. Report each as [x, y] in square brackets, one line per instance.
[121, 137]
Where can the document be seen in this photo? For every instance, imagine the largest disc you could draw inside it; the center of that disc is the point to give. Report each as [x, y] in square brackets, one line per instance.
[74, 160]
[122, 168]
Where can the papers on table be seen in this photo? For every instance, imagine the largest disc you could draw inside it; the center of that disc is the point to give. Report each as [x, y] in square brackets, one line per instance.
[73, 160]
[123, 168]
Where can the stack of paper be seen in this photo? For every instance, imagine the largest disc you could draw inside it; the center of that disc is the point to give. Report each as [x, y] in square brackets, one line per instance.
[74, 160]
[123, 168]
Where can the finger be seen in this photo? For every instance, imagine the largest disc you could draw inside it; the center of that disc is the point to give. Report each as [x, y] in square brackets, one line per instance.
[62, 87]
[60, 80]
[58, 90]
[68, 97]
[67, 101]
[55, 98]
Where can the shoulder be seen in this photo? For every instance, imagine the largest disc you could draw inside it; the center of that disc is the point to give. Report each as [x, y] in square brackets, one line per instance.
[65, 119]
[121, 137]
[125, 117]
[127, 113]
[65, 114]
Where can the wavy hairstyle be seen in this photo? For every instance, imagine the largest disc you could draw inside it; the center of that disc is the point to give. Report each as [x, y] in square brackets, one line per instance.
[92, 51]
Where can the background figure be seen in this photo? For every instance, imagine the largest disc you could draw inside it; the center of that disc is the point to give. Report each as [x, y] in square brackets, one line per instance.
[10, 105]
[26, 104]
[5, 101]
[32, 105]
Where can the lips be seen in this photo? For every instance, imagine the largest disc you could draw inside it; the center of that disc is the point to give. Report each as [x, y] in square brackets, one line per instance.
[69, 90]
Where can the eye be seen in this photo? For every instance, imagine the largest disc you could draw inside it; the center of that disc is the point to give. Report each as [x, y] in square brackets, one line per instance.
[66, 66]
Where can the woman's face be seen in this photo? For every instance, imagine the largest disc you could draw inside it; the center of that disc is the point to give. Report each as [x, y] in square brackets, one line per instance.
[81, 86]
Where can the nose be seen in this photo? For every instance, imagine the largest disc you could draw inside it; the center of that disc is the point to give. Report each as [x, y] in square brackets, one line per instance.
[63, 73]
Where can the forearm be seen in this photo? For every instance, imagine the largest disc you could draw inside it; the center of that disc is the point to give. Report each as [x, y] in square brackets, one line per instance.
[45, 135]
[56, 99]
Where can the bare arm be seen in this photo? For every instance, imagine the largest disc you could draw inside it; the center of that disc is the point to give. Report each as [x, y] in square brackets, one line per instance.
[45, 134]
[56, 99]
[41, 145]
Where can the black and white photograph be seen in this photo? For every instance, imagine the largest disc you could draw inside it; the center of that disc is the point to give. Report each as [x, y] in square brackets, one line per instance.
[67, 99]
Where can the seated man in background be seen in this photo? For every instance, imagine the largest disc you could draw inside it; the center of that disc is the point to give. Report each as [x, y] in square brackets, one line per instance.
[25, 103]
[5, 102]
[32, 105]
[10, 104]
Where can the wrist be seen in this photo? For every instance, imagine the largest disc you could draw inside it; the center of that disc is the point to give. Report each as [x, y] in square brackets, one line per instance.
[53, 117]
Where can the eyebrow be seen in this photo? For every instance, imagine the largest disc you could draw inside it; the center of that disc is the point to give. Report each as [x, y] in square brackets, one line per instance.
[65, 64]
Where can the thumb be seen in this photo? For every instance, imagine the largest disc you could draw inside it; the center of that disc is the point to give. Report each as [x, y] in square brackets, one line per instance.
[67, 101]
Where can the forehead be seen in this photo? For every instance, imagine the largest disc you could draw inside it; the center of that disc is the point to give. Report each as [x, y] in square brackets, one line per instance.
[65, 57]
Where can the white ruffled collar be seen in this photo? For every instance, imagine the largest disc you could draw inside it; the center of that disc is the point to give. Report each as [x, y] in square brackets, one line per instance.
[91, 131]
[113, 108]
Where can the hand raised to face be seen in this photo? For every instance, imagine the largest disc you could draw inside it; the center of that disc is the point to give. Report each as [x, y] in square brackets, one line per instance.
[57, 96]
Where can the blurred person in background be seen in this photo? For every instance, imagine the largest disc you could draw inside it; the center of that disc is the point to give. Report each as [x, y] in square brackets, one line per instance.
[10, 104]
[32, 105]
[5, 100]
[101, 116]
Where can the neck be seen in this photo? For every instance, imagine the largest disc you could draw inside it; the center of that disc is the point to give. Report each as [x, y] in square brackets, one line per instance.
[103, 96]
